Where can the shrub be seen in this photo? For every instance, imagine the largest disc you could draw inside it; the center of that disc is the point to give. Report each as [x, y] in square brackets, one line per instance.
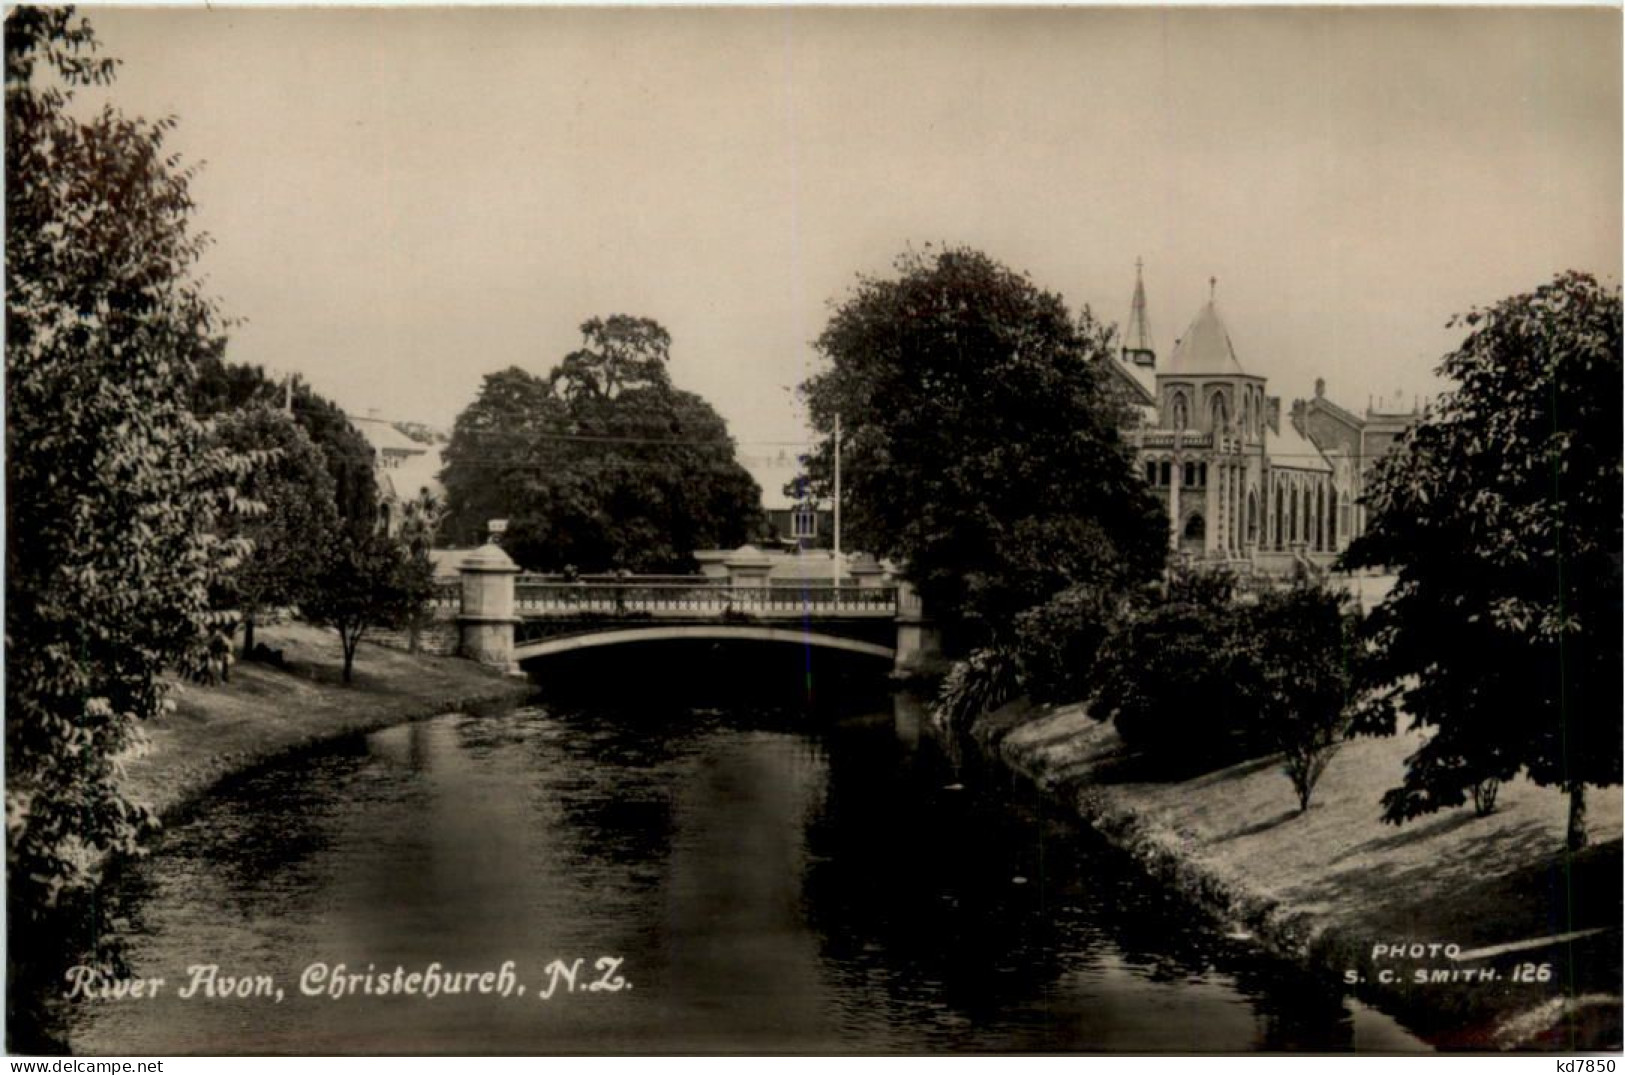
[1058, 642]
[981, 682]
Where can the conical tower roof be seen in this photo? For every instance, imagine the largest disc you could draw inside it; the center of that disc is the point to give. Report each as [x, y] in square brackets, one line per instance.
[1137, 336]
[1205, 347]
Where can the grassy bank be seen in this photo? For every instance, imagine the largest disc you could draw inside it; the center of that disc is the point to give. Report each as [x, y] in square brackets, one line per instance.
[1327, 886]
[263, 712]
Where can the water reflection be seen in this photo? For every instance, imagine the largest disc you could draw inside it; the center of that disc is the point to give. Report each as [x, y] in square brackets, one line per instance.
[807, 875]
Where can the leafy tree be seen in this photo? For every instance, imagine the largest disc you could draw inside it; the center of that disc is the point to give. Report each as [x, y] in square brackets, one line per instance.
[1299, 672]
[293, 494]
[114, 492]
[1501, 512]
[365, 581]
[1057, 642]
[420, 522]
[222, 386]
[1175, 678]
[981, 447]
[604, 465]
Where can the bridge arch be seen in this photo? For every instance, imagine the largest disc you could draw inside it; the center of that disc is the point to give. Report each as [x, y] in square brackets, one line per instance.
[619, 636]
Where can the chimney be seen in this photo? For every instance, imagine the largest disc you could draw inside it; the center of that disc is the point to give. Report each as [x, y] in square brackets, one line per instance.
[1272, 413]
[1320, 388]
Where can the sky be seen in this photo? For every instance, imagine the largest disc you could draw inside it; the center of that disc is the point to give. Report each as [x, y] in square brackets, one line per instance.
[405, 200]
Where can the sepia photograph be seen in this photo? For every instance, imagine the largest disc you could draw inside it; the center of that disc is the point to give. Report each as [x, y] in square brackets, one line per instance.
[813, 530]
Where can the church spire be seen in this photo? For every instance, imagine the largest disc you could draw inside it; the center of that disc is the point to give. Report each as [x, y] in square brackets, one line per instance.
[1137, 348]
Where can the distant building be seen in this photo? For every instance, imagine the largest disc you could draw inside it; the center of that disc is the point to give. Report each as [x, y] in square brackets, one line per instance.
[790, 523]
[1241, 486]
[403, 468]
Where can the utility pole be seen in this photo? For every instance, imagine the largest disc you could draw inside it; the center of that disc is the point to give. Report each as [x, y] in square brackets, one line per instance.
[836, 562]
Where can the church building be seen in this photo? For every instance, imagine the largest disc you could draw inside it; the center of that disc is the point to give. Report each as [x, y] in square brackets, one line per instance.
[1243, 486]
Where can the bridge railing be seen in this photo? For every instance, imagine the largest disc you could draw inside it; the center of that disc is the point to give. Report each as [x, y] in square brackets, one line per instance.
[533, 597]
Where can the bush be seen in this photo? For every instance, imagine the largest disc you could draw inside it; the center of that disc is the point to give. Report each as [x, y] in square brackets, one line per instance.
[979, 683]
[1058, 642]
[1176, 677]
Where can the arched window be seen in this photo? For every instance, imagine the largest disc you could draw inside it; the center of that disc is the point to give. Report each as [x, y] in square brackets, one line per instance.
[1195, 529]
[1293, 530]
[1331, 519]
[1320, 516]
[1220, 413]
[1252, 517]
[1180, 415]
[1150, 472]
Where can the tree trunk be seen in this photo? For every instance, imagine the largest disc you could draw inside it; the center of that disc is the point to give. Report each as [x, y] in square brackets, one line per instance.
[349, 655]
[1577, 816]
[248, 636]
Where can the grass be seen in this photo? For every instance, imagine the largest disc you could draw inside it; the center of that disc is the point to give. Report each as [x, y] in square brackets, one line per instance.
[264, 712]
[1328, 884]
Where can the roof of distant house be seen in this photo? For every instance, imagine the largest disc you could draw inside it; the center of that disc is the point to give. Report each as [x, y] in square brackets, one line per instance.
[384, 437]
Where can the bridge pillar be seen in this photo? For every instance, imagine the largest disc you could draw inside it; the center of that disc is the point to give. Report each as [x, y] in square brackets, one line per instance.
[485, 625]
[919, 645]
[748, 566]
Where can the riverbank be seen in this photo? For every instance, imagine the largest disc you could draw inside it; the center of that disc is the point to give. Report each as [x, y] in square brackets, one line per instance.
[264, 712]
[1330, 887]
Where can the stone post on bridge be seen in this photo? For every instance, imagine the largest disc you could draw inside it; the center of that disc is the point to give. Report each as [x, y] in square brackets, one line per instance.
[748, 568]
[485, 625]
[919, 645]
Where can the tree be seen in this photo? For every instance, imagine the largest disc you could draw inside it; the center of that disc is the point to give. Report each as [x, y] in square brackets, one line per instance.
[1298, 671]
[366, 581]
[114, 492]
[293, 496]
[222, 386]
[1176, 677]
[1501, 513]
[420, 522]
[981, 448]
[602, 466]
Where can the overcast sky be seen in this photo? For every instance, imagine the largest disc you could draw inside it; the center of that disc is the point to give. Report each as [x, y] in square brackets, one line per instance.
[405, 200]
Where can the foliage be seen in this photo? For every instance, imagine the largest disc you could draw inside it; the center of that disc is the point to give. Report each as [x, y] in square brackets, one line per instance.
[420, 522]
[365, 581]
[604, 465]
[1300, 673]
[294, 497]
[222, 386]
[114, 493]
[1502, 514]
[1175, 677]
[1057, 642]
[979, 683]
[981, 448]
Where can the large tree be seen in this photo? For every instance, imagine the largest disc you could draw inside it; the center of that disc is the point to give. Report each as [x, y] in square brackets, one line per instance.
[292, 513]
[114, 492]
[603, 465]
[1501, 514]
[980, 446]
[222, 386]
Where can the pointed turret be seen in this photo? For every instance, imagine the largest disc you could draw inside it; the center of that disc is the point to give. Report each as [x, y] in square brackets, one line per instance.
[1205, 348]
[1137, 348]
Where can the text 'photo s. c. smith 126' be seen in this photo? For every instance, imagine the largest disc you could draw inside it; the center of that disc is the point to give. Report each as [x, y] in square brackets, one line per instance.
[812, 530]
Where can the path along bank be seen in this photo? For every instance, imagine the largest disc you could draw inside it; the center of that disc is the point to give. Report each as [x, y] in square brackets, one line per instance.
[1339, 890]
[264, 712]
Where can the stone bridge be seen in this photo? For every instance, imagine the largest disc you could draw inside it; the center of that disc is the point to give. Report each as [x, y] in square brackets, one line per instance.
[506, 618]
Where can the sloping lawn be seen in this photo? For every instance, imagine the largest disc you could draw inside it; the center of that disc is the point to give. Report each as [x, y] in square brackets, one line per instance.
[1336, 881]
[263, 711]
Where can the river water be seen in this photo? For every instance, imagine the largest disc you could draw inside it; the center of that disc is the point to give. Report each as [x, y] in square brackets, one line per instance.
[775, 856]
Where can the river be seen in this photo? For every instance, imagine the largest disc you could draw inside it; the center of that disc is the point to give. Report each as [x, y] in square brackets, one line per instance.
[768, 857]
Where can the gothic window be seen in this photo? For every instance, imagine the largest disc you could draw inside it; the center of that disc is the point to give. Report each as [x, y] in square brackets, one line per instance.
[1166, 476]
[1181, 418]
[1252, 517]
[1195, 527]
[1220, 413]
[1150, 473]
[1293, 530]
[1331, 519]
